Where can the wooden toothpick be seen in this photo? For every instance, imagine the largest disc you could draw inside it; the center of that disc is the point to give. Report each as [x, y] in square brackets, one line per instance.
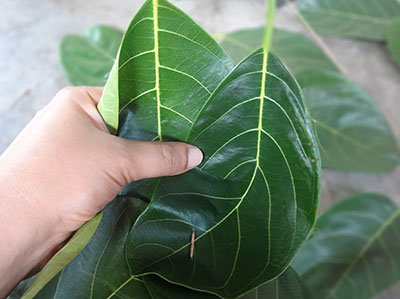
[192, 245]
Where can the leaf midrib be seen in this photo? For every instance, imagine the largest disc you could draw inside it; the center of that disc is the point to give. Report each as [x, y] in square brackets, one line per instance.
[157, 66]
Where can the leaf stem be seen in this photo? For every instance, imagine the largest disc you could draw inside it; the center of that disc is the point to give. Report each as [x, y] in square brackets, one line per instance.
[270, 25]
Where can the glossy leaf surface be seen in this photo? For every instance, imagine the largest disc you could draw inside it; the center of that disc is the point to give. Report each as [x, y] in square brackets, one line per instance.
[353, 134]
[366, 19]
[87, 59]
[167, 68]
[355, 251]
[295, 50]
[288, 286]
[393, 39]
[253, 201]
[97, 272]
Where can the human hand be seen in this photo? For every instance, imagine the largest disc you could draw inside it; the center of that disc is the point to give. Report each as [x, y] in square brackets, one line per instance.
[62, 170]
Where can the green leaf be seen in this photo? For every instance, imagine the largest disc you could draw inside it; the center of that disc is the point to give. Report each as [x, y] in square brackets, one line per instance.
[253, 201]
[19, 291]
[109, 106]
[161, 289]
[367, 19]
[288, 286]
[393, 39]
[164, 75]
[87, 59]
[80, 239]
[352, 132]
[97, 272]
[295, 50]
[355, 251]
[167, 68]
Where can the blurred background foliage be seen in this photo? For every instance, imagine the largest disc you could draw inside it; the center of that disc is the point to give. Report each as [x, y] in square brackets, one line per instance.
[344, 54]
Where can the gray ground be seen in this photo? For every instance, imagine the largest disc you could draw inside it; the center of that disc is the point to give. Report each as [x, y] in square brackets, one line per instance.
[30, 73]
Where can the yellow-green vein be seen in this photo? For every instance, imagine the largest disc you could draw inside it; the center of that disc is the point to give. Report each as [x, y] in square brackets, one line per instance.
[157, 66]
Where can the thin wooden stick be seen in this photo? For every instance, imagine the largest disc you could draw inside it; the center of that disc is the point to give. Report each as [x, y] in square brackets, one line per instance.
[192, 245]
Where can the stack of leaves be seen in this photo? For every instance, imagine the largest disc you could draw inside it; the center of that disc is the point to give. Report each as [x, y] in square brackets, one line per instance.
[251, 204]
[245, 211]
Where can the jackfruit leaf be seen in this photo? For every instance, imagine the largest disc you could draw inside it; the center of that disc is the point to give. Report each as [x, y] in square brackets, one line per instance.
[259, 152]
[166, 69]
[250, 205]
[288, 285]
[97, 272]
[88, 58]
[366, 19]
[295, 50]
[355, 251]
[353, 134]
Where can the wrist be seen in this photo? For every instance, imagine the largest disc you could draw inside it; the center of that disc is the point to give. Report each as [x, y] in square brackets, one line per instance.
[28, 232]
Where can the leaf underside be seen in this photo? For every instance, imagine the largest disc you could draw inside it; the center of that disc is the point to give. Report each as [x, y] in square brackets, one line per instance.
[355, 251]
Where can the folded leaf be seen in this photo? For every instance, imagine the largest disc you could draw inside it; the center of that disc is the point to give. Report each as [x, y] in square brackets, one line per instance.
[253, 201]
[295, 50]
[366, 19]
[87, 59]
[393, 39]
[97, 272]
[355, 251]
[352, 132]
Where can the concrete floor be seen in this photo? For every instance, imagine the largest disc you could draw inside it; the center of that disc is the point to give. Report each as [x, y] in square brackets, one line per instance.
[30, 73]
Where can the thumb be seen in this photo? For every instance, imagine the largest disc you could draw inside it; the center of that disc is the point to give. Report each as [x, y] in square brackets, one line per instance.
[146, 159]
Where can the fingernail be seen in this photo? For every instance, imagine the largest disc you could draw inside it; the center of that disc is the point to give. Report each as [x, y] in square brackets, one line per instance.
[195, 157]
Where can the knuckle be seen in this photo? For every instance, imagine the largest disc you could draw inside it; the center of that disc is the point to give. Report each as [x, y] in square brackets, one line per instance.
[125, 168]
[168, 156]
[174, 157]
[67, 91]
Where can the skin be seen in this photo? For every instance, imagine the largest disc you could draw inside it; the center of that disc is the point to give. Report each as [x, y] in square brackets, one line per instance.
[62, 170]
